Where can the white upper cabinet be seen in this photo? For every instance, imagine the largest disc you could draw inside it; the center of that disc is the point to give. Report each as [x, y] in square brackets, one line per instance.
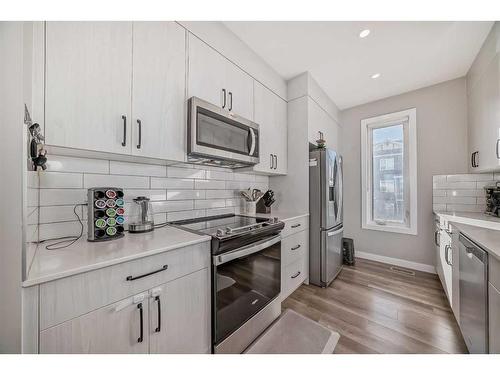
[320, 121]
[158, 95]
[271, 115]
[117, 87]
[483, 96]
[88, 85]
[215, 79]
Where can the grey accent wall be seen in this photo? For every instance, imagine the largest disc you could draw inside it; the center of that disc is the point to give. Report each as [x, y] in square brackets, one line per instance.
[441, 149]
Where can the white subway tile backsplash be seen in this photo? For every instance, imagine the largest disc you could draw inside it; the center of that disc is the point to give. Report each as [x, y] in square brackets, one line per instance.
[58, 180]
[58, 163]
[461, 192]
[58, 197]
[171, 183]
[154, 195]
[177, 192]
[54, 214]
[212, 203]
[136, 169]
[209, 184]
[130, 182]
[185, 194]
[185, 173]
[220, 211]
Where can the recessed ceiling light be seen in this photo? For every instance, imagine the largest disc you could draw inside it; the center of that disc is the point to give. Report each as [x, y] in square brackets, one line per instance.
[364, 33]
[376, 75]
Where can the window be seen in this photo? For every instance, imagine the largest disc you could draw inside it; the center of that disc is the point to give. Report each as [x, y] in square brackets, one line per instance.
[389, 172]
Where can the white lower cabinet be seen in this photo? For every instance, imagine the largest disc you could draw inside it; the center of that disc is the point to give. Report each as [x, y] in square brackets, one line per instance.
[494, 319]
[180, 315]
[171, 318]
[111, 329]
[294, 255]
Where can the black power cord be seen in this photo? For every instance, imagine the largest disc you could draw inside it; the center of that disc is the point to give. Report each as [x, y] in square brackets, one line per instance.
[67, 239]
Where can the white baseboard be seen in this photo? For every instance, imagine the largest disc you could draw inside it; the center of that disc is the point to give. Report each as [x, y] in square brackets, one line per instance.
[397, 262]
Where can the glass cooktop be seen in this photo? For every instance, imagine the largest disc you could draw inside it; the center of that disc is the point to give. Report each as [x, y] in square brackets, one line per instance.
[209, 225]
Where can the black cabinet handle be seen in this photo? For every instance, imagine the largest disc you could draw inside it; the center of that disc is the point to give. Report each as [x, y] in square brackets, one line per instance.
[158, 328]
[296, 275]
[472, 159]
[132, 278]
[230, 100]
[124, 142]
[272, 161]
[141, 337]
[296, 225]
[275, 162]
[139, 124]
[498, 156]
[223, 98]
[295, 247]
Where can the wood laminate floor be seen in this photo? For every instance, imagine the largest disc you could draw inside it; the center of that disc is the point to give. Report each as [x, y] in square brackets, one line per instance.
[377, 310]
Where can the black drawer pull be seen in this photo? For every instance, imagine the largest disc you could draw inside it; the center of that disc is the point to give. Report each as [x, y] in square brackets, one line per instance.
[141, 337]
[158, 328]
[295, 247]
[132, 278]
[296, 275]
[296, 225]
[124, 142]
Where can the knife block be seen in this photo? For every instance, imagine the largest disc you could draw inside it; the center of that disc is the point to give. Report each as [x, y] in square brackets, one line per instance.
[261, 208]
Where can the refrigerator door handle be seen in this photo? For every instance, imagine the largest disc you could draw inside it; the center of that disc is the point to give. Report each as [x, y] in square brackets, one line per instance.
[335, 232]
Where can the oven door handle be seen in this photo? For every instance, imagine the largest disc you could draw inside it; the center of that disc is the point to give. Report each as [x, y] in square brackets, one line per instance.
[245, 251]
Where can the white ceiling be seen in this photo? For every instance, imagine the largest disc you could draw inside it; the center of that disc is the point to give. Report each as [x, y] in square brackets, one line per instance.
[409, 55]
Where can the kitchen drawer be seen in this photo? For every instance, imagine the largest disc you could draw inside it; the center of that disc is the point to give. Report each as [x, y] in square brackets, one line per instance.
[295, 225]
[494, 271]
[294, 247]
[293, 276]
[67, 298]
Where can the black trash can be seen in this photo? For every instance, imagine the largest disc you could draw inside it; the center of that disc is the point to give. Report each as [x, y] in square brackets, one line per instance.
[348, 250]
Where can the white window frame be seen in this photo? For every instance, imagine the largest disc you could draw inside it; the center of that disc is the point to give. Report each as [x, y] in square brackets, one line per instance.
[409, 116]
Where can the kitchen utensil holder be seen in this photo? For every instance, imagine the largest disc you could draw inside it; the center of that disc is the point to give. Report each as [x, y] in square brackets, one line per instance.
[250, 207]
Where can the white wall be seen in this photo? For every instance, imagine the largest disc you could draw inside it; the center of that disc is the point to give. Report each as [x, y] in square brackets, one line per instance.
[441, 149]
[11, 184]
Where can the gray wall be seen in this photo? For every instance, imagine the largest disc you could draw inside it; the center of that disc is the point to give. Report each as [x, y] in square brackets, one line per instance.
[441, 149]
[11, 185]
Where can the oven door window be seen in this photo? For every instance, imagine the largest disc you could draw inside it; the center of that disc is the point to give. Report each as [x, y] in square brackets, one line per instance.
[221, 133]
[243, 287]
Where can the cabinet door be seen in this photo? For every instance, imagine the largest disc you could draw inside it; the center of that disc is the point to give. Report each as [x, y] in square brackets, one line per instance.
[320, 121]
[485, 95]
[207, 73]
[158, 94]
[494, 319]
[112, 329]
[184, 308]
[271, 115]
[88, 85]
[240, 91]
[217, 80]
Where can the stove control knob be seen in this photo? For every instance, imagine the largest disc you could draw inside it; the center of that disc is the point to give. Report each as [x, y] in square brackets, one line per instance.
[220, 232]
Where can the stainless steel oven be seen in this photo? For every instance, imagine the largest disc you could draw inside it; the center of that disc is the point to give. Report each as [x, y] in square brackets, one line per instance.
[218, 137]
[246, 284]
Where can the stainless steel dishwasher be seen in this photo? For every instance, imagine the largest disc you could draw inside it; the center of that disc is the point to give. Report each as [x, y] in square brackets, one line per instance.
[473, 295]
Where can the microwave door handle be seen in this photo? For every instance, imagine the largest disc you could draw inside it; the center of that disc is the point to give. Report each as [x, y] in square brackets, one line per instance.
[251, 141]
[245, 251]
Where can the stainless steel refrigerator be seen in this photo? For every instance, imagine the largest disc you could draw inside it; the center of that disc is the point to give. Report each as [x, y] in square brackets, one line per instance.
[326, 216]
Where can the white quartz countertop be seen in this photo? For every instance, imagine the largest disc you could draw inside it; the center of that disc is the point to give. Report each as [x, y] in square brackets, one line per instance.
[488, 239]
[85, 256]
[480, 228]
[471, 218]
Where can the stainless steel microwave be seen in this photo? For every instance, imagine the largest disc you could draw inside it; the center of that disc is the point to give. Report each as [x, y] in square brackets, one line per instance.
[221, 138]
